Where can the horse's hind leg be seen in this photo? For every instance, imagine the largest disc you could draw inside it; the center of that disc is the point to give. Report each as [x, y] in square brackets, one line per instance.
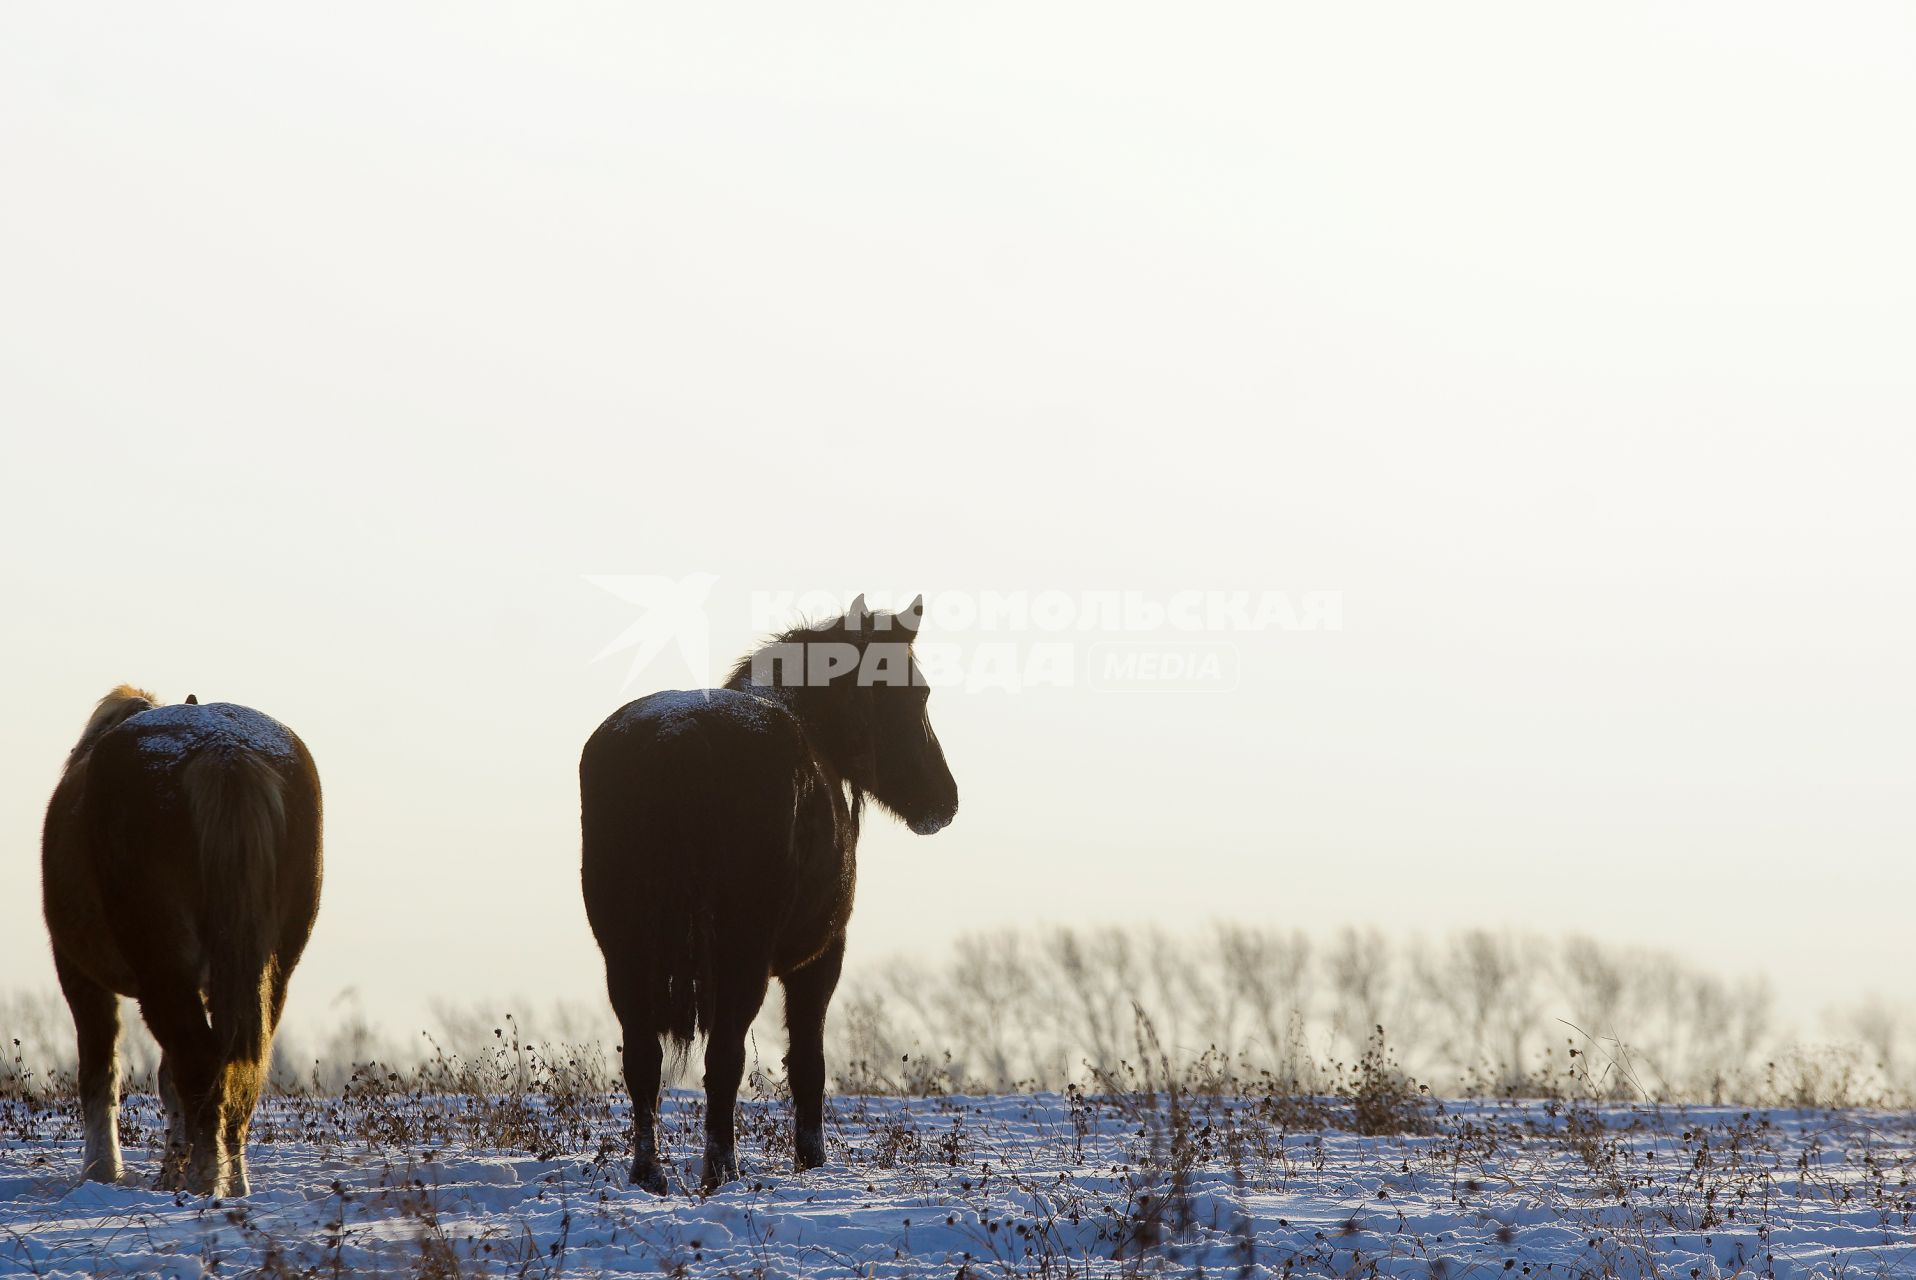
[245, 1077]
[241, 1081]
[96, 1016]
[644, 1060]
[194, 1073]
[173, 1161]
[739, 998]
[807, 993]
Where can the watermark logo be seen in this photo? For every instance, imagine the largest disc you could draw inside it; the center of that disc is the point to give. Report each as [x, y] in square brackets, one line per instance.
[1164, 666]
[1133, 641]
[1053, 611]
[672, 612]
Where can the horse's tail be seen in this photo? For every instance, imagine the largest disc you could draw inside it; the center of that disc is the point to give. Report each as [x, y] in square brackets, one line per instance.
[238, 804]
[681, 905]
[123, 703]
[684, 990]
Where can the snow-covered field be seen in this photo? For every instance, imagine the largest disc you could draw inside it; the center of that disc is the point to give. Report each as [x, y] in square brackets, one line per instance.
[1049, 1184]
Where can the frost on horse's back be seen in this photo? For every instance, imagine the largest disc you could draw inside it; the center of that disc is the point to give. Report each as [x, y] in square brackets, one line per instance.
[178, 730]
[673, 710]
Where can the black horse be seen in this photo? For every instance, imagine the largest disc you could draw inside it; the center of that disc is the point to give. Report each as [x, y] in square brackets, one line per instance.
[719, 829]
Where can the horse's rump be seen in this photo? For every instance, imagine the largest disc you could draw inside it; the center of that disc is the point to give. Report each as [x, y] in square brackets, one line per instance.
[187, 815]
[678, 804]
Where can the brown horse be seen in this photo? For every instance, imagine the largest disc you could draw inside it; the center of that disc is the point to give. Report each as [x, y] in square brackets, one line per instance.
[720, 830]
[180, 866]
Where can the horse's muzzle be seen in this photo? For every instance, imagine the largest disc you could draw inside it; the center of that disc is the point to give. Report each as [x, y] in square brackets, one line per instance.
[931, 825]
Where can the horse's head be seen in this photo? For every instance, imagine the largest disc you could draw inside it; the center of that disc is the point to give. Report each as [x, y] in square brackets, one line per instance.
[857, 686]
[909, 773]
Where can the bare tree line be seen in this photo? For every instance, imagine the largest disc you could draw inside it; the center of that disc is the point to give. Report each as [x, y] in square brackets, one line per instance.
[1475, 1012]
[1472, 1012]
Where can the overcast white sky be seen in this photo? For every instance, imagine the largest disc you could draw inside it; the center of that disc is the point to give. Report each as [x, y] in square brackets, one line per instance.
[1572, 344]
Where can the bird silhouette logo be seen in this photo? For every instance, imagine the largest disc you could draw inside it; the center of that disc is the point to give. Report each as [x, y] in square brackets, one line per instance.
[672, 610]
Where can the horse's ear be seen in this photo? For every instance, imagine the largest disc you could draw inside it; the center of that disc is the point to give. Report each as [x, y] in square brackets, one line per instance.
[858, 616]
[913, 614]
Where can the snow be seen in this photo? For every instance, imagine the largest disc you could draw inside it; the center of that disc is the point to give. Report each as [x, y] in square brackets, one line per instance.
[173, 732]
[673, 711]
[1002, 1185]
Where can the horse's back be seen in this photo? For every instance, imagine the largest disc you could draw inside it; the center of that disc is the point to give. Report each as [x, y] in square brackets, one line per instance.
[689, 716]
[142, 775]
[693, 746]
[166, 739]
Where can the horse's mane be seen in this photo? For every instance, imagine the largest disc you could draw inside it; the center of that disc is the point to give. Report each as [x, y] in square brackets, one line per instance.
[740, 676]
[840, 626]
[123, 703]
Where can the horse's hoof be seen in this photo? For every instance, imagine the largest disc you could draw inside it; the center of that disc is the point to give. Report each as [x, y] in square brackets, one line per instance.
[201, 1180]
[808, 1153]
[719, 1170]
[649, 1177]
